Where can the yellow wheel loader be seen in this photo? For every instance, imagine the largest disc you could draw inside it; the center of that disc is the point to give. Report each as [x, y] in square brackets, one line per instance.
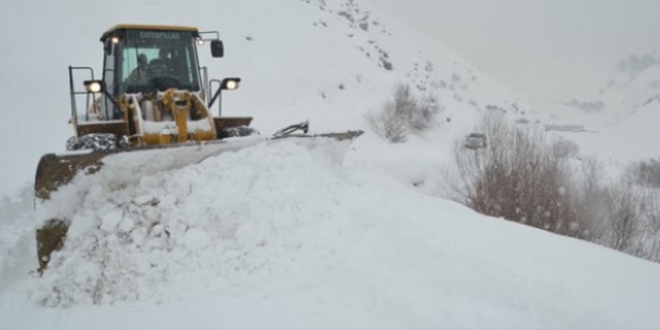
[149, 111]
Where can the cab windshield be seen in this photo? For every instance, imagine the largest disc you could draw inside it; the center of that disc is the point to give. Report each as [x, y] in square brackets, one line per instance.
[157, 60]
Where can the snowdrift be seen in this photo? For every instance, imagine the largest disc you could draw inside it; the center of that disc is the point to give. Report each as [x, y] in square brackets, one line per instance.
[294, 233]
[131, 232]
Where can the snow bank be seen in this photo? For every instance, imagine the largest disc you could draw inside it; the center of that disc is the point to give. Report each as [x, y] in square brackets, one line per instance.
[290, 234]
[17, 253]
[226, 217]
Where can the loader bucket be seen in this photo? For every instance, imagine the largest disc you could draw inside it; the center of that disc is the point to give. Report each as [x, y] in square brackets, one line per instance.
[55, 171]
[79, 170]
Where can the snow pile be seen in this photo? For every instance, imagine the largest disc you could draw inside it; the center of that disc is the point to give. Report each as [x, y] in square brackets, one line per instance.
[232, 215]
[16, 237]
[304, 241]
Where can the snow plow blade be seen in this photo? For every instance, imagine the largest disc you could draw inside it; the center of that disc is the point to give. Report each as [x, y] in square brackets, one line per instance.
[59, 176]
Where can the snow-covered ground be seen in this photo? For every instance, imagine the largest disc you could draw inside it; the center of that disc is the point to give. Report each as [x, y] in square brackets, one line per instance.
[283, 235]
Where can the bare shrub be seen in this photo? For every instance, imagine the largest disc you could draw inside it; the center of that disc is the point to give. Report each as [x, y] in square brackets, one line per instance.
[405, 104]
[517, 177]
[622, 215]
[646, 173]
[388, 124]
[563, 148]
[590, 200]
[634, 216]
[403, 115]
[522, 177]
[650, 233]
[422, 116]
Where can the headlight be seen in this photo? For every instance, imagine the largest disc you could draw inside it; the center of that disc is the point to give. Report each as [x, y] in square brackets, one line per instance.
[230, 83]
[93, 86]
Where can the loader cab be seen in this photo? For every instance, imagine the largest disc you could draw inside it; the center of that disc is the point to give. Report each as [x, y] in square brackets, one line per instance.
[139, 59]
[148, 59]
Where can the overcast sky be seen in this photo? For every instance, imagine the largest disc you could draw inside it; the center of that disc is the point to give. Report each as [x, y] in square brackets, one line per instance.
[544, 48]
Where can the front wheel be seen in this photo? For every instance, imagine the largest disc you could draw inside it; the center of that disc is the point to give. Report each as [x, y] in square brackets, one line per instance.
[96, 142]
[238, 131]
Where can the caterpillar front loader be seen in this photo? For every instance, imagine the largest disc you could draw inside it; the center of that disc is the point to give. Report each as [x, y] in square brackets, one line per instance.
[149, 111]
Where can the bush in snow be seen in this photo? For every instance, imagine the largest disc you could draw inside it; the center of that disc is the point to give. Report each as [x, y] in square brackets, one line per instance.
[646, 173]
[388, 124]
[403, 115]
[519, 176]
[632, 218]
[523, 177]
[622, 216]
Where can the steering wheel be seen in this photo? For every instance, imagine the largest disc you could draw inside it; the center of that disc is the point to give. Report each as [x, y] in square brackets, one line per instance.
[164, 83]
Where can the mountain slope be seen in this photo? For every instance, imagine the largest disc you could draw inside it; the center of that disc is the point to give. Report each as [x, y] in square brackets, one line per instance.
[620, 118]
[632, 139]
[633, 84]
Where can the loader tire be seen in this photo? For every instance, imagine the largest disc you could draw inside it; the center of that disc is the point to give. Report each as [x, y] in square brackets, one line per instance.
[238, 131]
[94, 142]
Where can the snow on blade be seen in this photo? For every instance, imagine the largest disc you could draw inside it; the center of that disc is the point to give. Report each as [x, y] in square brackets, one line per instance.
[129, 240]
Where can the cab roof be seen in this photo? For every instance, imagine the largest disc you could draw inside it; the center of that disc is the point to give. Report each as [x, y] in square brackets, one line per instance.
[118, 27]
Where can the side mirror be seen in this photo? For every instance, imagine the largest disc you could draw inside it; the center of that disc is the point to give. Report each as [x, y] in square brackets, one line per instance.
[217, 48]
[93, 86]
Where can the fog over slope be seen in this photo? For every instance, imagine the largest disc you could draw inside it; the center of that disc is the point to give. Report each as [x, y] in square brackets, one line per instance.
[632, 84]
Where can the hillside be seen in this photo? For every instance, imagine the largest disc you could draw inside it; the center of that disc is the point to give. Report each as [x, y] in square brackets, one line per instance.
[633, 84]
[308, 60]
[631, 139]
[617, 121]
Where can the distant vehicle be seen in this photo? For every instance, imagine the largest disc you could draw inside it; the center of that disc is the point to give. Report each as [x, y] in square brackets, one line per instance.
[475, 141]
